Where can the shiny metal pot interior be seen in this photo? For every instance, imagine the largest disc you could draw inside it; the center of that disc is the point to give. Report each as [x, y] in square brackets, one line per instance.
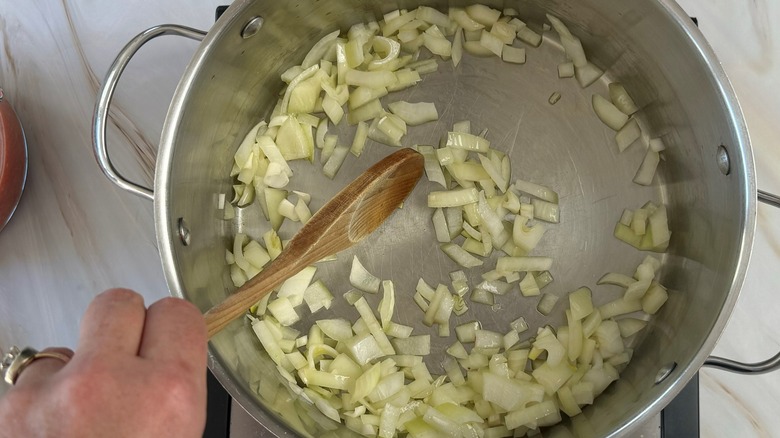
[650, 46]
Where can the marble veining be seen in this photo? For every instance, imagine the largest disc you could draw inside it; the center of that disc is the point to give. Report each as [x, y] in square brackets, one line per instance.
[75, 234]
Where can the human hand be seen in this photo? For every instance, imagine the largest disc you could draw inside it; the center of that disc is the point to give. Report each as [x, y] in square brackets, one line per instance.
[136, 372]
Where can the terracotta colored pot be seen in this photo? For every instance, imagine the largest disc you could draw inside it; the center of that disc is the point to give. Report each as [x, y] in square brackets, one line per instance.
[13, 160]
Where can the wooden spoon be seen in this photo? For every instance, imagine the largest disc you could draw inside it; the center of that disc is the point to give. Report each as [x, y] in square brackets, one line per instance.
[345, 220]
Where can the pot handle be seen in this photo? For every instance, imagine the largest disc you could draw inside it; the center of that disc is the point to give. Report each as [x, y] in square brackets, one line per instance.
[765, 366]
[106, 94]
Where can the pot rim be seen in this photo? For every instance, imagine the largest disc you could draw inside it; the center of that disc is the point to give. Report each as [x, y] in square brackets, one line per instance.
[165, 223]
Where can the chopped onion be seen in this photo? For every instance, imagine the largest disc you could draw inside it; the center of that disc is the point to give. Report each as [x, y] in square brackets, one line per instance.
[546, 303]
[528, 286]
[359, 142]
[283, 311]
[588, 74]
[467, 332]
[566, 70]
[317, 296]
[619, 307]
[414, 113]
[477, 49]
[491, 42]
[528, 36]
[513, 264]
[655, 297]
[608, 113]
[452, 198]
[646, 172]
[335, 161]
[415, 345]
[620, 98]
[295, 287]
[360, 278]
[483, 15]
[628, 134]
[457, 47]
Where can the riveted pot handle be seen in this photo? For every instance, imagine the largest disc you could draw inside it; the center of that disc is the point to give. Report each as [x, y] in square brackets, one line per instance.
[765, 366]
[106, 94]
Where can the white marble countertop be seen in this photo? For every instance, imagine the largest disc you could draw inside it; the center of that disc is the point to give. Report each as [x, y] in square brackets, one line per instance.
[75, 234]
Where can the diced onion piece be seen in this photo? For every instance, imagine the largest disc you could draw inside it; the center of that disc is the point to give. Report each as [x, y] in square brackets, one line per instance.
[628, 134]
[457, 47]
[477, 49]
[237, 276]
[304, 75]
[546, 211]
[509, 394]
[414, 345]
[360, 278]
[436, 301]
[574, 51]
[420, 301]
[526, 238]
[655, 297]
[387, 305]
[294, 140]
[368, 111]
[371, 79]
[373, 326]
[504, 31]
[621, 99]
[389, 47]
[659, 228]
[457, 350]
[328, 148]
[528, 36]
[487, 340]
[295, 287]
[513, 264]
[462, 140]
[363, 95]
[528, 286]
[483, 15]
[608, 113]
[440, 226]
[359, 142]
[559, 26]
[619, 307]
[318, 50]
[462, 18]
[396, 330]
[466, 332]
[363, 348]
[546, 303]
[317, 296]
[454, 217]
[608, 338]
[283, 311]
[414, 113]
[332, 109]
[646, 172]
[630, 326]
[335, 161]
[580, 303]
[437, 45]
[336, 329]
[287, 209]
[636, 290]
[566, 70]
[482, 296]
[515, 55]
[452, 198]
[657, 145]
[491, 222]
[536, 190]
[588, 74]
[511, 338]
[491, 42]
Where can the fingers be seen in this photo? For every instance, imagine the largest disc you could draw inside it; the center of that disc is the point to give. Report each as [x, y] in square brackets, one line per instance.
[113, 324]
[43, 367]
[175, 331]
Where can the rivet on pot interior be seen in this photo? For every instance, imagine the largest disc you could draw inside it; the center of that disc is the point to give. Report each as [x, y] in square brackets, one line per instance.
[184, 232]
[724, 162]
[252, 27]
[664, 372]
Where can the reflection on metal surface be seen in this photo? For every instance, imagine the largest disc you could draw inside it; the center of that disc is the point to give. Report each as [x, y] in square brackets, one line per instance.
[724, 163]
[252, 27]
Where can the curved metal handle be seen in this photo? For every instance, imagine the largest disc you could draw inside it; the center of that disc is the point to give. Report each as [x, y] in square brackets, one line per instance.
[106, 93]
[764, 366]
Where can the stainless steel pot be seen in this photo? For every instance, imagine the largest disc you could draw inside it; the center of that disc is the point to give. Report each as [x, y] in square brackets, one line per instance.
[707, 181]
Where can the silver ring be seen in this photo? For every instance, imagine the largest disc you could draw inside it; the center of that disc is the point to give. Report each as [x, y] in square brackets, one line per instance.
[15, 361]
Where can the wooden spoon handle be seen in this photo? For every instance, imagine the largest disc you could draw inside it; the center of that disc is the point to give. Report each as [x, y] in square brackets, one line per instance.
[284, 267]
